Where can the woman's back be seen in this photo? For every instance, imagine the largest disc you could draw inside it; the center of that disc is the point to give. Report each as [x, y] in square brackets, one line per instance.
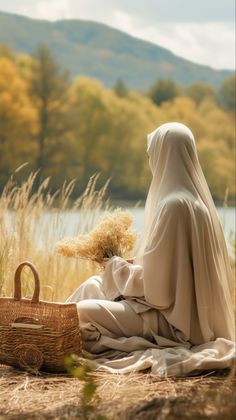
[183, 272]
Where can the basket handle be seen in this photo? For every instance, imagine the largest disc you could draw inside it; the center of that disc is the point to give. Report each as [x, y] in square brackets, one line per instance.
[17, 282]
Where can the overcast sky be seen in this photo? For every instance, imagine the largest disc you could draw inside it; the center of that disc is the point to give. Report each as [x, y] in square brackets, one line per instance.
[200, 30]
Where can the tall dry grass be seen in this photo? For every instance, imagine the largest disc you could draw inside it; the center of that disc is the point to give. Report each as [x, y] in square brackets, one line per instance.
[30, 225]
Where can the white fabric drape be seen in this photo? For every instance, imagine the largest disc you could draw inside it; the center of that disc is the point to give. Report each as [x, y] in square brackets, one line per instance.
[182, 268]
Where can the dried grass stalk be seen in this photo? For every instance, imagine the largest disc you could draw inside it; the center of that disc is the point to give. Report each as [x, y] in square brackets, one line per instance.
[114, 235]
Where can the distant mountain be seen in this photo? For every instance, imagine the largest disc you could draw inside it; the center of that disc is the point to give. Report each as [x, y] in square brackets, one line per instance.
[104, 53]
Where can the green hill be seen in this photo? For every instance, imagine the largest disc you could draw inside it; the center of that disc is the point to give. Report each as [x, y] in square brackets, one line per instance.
[104, 53]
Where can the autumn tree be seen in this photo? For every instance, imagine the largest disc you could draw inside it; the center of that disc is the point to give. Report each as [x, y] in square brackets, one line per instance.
[218, 167]
[48, 87]
[18, 120]
[120, 88]
[6, 52]
[163, 90]
[89, 121]
[25, 64]
[226, 94]
[199, 91]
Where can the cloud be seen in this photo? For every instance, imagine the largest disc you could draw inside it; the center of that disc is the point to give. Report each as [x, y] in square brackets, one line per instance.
[48, 10]
[210, 43]
[150, 10]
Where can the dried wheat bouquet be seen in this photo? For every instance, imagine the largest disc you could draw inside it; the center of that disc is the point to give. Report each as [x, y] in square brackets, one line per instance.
[114, 235]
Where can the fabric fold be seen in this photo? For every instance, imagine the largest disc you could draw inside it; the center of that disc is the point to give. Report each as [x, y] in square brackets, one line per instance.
[177, 362]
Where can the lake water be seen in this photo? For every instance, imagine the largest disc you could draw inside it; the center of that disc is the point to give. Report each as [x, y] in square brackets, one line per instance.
[70, 223]
[70, 220]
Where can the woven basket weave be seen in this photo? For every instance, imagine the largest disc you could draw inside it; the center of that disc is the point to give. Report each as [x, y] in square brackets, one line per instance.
[37, 335]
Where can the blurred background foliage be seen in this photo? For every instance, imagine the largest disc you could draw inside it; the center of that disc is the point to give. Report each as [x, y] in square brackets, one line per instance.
[74, 128]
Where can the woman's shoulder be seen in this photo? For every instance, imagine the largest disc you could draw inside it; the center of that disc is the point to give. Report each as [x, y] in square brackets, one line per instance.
[184, 205]
[173, 203]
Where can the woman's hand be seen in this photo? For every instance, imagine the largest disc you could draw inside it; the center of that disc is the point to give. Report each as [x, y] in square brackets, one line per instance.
[103, 264]
[130, 260]
[105, 261]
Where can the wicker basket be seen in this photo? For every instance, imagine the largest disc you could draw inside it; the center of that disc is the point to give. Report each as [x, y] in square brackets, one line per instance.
[37, 335]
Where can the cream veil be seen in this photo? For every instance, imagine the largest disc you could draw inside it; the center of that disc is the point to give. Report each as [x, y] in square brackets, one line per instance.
[186, 269]
[182, 268]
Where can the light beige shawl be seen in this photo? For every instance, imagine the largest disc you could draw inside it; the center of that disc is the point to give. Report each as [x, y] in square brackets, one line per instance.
[183, 267]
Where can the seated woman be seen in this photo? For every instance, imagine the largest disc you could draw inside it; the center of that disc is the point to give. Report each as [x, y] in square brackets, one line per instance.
[172, 309]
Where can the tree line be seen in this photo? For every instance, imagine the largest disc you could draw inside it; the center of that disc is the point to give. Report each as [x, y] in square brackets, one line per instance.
[73, 129]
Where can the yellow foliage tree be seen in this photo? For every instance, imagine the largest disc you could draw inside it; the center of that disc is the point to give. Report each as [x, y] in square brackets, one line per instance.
[218, 166]
[18, 119]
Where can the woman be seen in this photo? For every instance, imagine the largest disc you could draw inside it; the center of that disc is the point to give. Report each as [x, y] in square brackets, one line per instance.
[172, 310]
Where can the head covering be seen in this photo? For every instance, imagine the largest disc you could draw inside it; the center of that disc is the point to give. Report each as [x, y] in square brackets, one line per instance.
[186, 268]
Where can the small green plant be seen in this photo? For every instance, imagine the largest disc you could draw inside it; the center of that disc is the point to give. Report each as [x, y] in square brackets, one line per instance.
[79, 368]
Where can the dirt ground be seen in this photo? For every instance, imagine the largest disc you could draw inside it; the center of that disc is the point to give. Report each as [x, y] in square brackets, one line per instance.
[136, 396]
